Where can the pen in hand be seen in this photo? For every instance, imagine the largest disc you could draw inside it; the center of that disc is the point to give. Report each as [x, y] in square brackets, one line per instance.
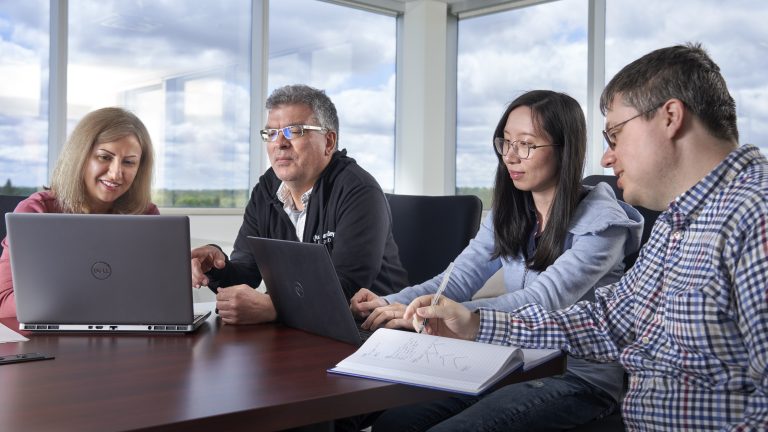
[436, 298]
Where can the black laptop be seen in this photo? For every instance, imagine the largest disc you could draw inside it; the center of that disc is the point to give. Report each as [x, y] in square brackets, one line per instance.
[305, 290]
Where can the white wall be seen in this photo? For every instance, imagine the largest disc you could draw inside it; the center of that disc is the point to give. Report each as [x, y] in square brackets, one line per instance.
[219, 229]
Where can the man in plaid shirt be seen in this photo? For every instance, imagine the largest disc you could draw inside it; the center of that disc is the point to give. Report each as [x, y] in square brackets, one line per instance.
[689, 322]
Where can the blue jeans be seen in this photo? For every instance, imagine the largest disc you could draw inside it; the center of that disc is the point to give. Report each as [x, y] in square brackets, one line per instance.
[550, 404]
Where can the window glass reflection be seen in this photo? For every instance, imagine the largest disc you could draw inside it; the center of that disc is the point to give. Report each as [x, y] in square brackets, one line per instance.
[734, 34]
[350, 54]
[24, 29]
[502, 55]
[183, 67]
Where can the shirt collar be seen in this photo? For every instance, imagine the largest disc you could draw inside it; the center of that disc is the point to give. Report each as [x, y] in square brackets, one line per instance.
[688, 204]
[285, 197]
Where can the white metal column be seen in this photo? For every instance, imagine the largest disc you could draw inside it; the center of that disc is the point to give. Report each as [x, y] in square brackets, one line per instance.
[595, 84]
[57, 81]
[421, 157]
[259, 70]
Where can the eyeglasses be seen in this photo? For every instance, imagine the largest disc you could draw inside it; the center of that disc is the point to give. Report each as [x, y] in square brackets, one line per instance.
[289, 132]
[610, 137]
[522, 149]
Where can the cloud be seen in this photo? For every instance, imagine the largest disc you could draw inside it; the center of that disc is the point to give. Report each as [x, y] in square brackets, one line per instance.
[124, 49]
[369, 109]
[503, 55]
[23, 152]
[375, 153]
[344, 40]
[735, 37]
[545, 46]
[170, 33]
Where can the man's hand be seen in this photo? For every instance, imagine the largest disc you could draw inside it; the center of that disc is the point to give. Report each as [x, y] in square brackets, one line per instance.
[241, 304]
[204, 259]
[447, 318]
[390, 316]
[364, 301]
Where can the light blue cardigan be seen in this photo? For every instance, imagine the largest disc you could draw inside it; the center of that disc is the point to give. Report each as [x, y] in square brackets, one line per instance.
[602, 231]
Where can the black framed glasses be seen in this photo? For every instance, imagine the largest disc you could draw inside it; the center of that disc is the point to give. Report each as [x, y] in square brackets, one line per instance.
[610, 136]
[522, 149]
[289, 132]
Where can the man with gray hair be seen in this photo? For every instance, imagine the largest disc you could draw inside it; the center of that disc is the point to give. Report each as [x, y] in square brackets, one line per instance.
[312, 193]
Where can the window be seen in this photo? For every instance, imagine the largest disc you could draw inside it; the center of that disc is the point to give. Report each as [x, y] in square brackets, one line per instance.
[23, 96]
[183, 67]
[501, 56]
[733, 33]
[350, 54]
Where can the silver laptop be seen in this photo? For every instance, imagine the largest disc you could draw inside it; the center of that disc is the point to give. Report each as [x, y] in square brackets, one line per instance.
[305, 290]
[109, 273]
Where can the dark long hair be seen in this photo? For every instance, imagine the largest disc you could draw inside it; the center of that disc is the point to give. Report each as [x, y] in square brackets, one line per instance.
[558, 117]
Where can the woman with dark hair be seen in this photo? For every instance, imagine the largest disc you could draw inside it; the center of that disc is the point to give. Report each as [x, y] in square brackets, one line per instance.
[555, 241]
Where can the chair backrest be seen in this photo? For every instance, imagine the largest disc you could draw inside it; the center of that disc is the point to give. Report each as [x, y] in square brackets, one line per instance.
[648, 215]
[7, 204]
[431, 231]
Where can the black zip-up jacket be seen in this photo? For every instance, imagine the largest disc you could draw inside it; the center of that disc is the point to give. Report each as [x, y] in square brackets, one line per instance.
[347, 211]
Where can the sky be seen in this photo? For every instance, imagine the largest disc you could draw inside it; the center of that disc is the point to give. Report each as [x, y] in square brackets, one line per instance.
[545, 46]
[183, 67]
[185, 71]
[503, 55]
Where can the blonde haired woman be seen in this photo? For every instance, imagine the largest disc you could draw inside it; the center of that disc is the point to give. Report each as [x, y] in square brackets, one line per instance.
[105, 167]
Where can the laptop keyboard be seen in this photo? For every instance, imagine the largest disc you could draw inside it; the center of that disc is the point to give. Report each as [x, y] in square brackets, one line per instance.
[364, 334]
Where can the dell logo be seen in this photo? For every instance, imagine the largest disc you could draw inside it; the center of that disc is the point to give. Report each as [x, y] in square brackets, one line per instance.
[299, 289]
[101, 270]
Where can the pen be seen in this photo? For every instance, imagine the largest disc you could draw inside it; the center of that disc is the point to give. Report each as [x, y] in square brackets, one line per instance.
[439, 293]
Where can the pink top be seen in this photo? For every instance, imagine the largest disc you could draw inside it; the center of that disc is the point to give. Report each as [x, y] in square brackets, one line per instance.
[38, 202]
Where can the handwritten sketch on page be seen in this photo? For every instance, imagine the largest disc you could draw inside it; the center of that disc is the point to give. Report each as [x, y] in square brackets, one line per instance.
[434, 354]
[430, 361]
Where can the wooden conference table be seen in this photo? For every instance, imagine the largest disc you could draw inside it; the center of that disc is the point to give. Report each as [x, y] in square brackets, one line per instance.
[229, 378]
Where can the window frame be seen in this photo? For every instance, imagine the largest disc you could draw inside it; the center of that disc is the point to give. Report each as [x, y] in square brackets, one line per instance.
[258, 162]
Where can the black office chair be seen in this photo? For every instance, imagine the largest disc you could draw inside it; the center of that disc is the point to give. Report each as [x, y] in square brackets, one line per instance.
[7, 204]
[649, 215]
[430, 231]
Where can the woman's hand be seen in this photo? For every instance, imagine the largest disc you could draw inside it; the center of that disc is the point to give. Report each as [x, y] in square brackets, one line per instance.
[364, 301]
[390, 316]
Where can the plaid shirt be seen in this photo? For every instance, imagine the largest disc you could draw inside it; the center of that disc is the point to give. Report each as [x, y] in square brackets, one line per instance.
[689, 321]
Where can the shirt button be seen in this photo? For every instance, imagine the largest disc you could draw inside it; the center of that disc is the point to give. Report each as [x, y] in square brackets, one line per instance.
[676, 235]
[646, 340]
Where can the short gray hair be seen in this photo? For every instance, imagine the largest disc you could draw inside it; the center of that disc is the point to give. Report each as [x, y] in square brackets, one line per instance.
[321, 105]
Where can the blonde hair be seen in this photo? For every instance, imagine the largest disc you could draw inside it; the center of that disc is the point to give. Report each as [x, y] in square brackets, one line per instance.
[102, 126]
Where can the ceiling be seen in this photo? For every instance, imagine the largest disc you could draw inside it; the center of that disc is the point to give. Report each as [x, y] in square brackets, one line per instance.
[456, 6]
[443, 1]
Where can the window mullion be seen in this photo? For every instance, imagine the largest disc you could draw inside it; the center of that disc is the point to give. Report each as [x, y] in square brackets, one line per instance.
[57, 81]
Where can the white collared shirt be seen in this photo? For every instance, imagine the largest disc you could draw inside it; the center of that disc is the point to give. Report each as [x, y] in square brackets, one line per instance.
[298, 217]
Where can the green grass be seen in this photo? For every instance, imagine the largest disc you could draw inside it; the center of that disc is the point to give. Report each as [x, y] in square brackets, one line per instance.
[220, 198]
[484, 193]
